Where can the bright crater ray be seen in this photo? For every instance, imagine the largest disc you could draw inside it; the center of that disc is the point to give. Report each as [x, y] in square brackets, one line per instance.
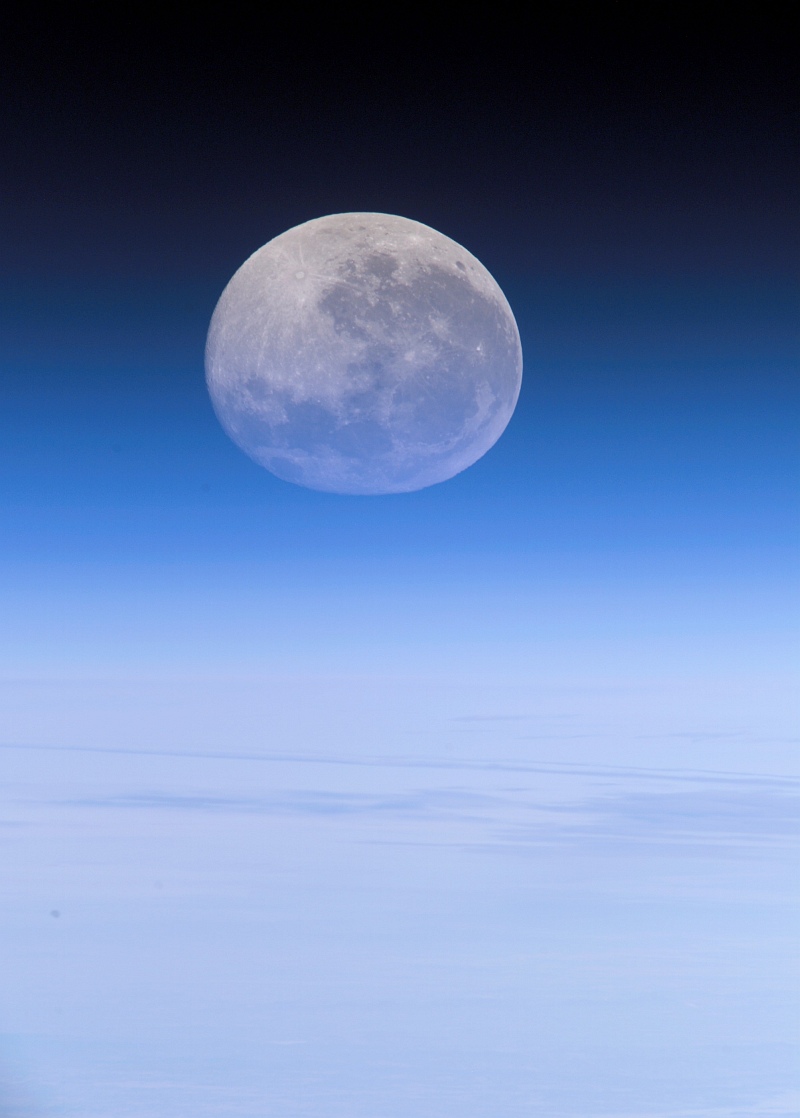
[363, 353]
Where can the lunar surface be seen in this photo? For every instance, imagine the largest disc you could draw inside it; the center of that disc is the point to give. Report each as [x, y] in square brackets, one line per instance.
[363, 353]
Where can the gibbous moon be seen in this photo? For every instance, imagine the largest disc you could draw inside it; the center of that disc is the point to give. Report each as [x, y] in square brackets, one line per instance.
[363, 353]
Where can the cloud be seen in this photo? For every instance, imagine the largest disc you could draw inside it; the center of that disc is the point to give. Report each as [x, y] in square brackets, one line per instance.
[709, 817]
[299, 802]
[721, 817]
[782, 1106]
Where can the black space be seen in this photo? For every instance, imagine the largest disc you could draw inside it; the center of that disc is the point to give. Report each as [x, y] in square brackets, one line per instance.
[602, 137]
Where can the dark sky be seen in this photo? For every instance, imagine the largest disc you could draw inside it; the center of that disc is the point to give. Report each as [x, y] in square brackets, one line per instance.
[626, 175]
[600, 139]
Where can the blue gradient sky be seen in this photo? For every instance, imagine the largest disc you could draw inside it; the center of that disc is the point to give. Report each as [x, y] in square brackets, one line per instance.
[486, 783]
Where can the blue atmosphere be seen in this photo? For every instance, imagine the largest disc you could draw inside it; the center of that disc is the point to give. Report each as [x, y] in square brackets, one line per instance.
[475, 801]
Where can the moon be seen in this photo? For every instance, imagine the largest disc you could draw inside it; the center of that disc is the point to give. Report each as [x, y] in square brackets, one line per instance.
[363, 353]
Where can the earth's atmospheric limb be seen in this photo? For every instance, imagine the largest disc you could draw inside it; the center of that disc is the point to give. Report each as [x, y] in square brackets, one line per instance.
[363, 353]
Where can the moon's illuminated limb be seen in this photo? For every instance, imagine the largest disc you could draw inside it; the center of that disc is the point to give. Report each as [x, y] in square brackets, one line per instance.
[363, 353]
